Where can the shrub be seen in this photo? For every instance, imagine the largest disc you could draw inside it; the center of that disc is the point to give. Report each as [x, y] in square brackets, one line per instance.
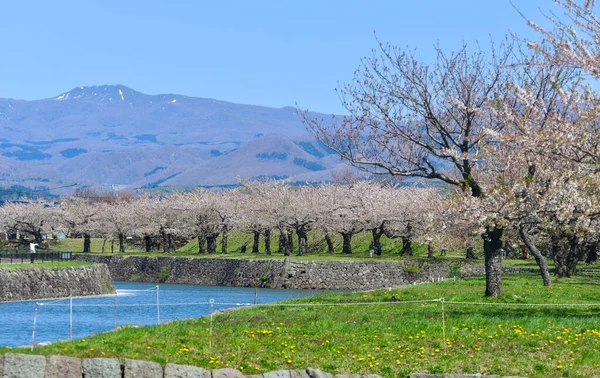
[413, 269]
[165, 273]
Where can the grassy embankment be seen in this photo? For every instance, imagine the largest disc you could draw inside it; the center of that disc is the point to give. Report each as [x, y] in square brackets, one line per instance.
[317, 249]
[391, 339]
[45, 265]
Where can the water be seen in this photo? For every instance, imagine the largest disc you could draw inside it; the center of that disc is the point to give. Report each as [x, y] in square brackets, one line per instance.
[136, 305]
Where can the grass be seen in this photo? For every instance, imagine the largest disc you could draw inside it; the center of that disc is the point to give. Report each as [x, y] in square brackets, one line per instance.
[45, 265]
[316, 248]
[391, 339]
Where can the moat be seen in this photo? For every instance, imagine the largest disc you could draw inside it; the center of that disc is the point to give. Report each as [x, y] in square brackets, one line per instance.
[134, 304]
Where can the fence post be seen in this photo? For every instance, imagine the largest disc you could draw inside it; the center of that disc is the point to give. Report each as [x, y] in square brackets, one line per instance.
[116, 304]
[157, 306]
[212, 302]
[442, 300]
[71, 318]
[35, 313]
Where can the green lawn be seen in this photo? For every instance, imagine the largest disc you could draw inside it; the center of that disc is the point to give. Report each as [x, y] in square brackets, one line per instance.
[369, 332]
[45, 265]
[317, 249]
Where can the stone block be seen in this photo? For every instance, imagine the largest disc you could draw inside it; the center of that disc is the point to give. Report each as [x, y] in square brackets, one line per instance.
[24, 366]
[299, 374]
[1, 366]
[101, 368]
[63, 367]
[185, 371]
[141, 369]
[351, 376]
[227, 373]
[316, 373]
[278, 374]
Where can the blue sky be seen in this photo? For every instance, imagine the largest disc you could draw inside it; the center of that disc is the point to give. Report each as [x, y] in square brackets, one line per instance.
[271, 53]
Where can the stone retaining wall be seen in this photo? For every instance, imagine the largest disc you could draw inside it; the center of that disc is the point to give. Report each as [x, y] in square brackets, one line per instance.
[38, 283]
[24, 365]
[277, 274]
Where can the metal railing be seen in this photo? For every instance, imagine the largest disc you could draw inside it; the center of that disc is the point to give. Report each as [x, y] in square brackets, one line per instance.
[26, 257]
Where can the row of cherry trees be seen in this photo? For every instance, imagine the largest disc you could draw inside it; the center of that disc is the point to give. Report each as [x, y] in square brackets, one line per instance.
[259, 208]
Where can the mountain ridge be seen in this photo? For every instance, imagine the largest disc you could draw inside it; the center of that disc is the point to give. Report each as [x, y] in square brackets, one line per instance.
[115, 135]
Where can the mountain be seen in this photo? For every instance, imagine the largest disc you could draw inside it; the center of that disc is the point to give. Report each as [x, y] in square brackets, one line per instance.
[115, 135]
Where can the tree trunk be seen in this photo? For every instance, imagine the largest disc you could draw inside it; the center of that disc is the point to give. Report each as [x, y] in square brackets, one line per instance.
[87, 242]
[121, 243]
[224, 239]
[301, 232]
[406, 246]
[148, 242]
[282, 240]
[539, 258]
[202, 242]
[492, 250]
[329, 243]
[470, 254]
[524, 252]
[38, 237]
[103, 244]
[407, 242]
[268, 242]
[377, 232]
[256, 241]
[289, 243]
[565, 256]
[112, 245]
[507, 251]
[347, 245]
[592, 255]
[165, 241]
[211, 241]
[429, 251]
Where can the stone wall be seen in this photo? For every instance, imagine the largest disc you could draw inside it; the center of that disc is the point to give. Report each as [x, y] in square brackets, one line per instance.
[24, 365]
[38, 283]
[276, 274]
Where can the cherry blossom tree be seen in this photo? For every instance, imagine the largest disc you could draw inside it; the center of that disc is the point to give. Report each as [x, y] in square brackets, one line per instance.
[575, 37]
[535, 176]
[413, 119]
[415, 214]
[34, 218]
[78, 217]
[575, 41]
[116, 218]
[267, 206]
[344, 210]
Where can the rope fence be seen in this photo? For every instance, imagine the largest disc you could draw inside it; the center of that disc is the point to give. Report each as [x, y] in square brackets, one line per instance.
[212, 304]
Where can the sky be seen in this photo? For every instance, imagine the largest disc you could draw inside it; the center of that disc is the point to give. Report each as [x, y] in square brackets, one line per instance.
[269, 53]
